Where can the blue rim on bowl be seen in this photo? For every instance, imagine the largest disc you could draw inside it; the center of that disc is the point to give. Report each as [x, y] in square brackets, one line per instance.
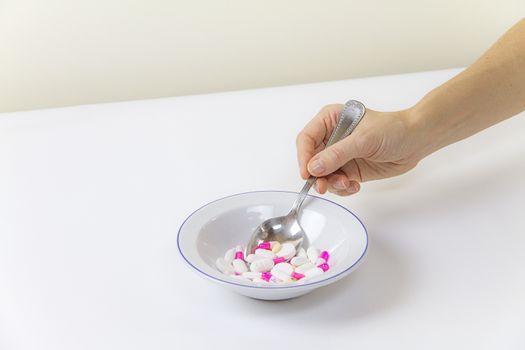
[270, 287]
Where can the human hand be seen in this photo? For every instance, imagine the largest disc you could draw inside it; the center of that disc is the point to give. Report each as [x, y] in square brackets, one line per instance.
[384, 144]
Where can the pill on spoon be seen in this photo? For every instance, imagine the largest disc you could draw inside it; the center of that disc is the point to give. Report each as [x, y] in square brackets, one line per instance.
[276, 247]
[265, 245]
[265, 253]
[287, 251]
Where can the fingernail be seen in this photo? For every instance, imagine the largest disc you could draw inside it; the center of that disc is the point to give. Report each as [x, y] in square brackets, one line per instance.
[340, 185]
[353, 188]
[316, 166]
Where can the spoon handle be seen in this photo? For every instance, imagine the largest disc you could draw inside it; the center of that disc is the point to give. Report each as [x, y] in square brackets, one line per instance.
[350, 116]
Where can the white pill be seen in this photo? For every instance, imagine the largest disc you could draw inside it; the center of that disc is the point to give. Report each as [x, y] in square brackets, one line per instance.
[265, 253]
[313, 272]
[283, 267]
[252, 257]
[320, 261]
[251, 275]
[287, 251]
[276, 246]
[281, 276]
[230, 255]
[299, 260]
[239, 266]
[304, 267]
[240, 277]
[313, 254]
[261, 265]
[224, 266]
[258, 280]
[302, 253]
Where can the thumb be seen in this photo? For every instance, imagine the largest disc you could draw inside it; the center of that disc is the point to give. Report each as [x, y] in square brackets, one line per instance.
[333, 157]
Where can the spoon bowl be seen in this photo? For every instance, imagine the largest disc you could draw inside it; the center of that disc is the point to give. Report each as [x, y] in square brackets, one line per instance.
[282, 229]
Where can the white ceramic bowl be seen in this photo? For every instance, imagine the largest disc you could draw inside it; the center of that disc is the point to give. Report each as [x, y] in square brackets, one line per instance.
[222, 224]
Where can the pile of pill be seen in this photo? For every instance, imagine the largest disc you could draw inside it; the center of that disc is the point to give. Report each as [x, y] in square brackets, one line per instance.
[272, 262]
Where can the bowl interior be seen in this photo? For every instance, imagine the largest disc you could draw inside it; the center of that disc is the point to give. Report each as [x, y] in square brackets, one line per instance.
[227, 222]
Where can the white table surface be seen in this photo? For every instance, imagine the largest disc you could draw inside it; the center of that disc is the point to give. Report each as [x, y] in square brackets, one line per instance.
[91, 198]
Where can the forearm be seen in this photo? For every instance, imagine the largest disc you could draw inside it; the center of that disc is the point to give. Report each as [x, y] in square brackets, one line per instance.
[489, 91]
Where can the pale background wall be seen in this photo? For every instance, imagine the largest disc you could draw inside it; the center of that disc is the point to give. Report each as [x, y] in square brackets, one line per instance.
[66, 52]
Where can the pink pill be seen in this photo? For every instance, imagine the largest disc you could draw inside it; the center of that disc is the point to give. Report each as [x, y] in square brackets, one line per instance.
[325, 267]
[266, 276]
[265, 245]
[239, 255]
[324, 255]
[279, 259]
[297, 275]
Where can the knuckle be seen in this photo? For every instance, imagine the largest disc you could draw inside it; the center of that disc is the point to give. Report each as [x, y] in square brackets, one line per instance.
[331, 109]
[334, 106]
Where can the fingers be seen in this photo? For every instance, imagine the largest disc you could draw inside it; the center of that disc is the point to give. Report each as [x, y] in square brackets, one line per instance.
[306, 145]
[313, 135]
[356, 170]
[343, 193]
[321, 185]
[341, 185]
[337, 183]
[334, 157]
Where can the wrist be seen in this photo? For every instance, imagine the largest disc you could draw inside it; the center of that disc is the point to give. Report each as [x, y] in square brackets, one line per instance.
[422, 121]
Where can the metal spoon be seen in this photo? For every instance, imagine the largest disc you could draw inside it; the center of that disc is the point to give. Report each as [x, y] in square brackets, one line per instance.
[287, 228]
